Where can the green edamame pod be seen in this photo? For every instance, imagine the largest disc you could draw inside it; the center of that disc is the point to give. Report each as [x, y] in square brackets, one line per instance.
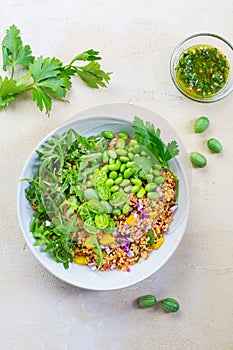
[118, 180]
[126, 208]
[153, 195]
[125, 182]
[121, 152]
[124, 159]
[128, 189]
[156, 172]
[105, 157]
[135, 188]
[136, 181]
[114, 188]
[116, 212]
[109, 182]
[115, 166]
[159, 180]
[123, 135]
[120, 143]
[108, 134]
[113, 175]
[131, 155]
[112, 153]
[128, 173]
[141, 192]
[123, 167]
[151, 186]
[133, 143]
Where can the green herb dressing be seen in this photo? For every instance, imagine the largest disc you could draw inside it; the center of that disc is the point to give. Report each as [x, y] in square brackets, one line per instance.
[202, 71]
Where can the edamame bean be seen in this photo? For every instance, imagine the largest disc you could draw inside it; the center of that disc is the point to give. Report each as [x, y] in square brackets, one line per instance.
[125, 182]
[122, 168]
[151, 186]
[121, 152]
[157, 166]
[112, 154]
[135, 188]
[118, 180]
[153, 195]
[113, 175]
[108, 134]
[123, 135]
[156, 172]
[128, 189]
[131, 155]
[105, 168]
[111, 161]
[126, 208]
[116, 212]
[141, 192]
[136, 181]
[115, 166]
[131, 149]
[128, 173]
[120, 143]
[109, 182]
[149, 177]
[124, 159]
[142, 174]
[105, 157]
[114, 188]
[143, 153]
[130, 164]
[159, 180]
[133, 143]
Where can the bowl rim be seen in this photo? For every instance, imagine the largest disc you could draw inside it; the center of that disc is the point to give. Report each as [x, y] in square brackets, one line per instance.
[214, 98]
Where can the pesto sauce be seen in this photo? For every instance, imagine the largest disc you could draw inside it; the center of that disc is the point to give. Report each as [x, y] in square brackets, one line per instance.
[202, 71]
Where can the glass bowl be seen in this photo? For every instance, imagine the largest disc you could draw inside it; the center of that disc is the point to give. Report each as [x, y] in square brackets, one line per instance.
[210, 40]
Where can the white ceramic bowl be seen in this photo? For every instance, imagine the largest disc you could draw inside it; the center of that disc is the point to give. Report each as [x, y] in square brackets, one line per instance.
[90, 122]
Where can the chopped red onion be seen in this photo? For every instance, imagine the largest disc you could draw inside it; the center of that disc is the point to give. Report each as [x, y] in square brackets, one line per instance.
[159, 191]
[128, 270]
[112, 267]
[130, 254]
[173, 208]
[130, 239]
[92, 266]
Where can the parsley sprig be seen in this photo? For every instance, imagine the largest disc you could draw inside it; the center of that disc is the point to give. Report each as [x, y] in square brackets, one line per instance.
[47, 78]
[146, 135]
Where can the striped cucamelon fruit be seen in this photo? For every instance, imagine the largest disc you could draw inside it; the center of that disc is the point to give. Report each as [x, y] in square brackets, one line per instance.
[170, 305]
[201, 125]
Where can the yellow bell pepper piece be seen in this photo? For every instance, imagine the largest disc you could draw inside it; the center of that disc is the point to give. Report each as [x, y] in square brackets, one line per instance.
[88, 243]
[107, 239]
[130, 220]
[81, 260]
[158, 243]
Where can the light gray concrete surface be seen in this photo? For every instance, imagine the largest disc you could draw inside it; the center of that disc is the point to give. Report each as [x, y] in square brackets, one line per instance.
[136, 40]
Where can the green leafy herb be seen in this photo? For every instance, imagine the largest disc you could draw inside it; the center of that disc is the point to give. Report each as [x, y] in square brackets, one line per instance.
[47, 78]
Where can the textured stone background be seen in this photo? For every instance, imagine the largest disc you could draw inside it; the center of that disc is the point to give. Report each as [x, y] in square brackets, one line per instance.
[136, 40]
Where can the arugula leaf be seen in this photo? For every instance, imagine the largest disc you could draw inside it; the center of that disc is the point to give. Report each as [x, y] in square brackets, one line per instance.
[13, 50]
